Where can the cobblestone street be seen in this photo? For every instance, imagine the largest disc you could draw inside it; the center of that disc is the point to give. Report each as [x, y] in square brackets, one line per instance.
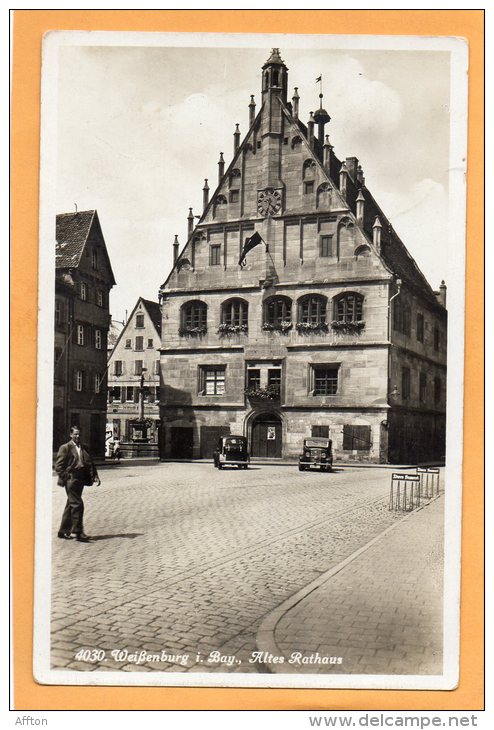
[187, 560]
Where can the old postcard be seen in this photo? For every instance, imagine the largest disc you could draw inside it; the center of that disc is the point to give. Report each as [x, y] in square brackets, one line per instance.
[250, 376]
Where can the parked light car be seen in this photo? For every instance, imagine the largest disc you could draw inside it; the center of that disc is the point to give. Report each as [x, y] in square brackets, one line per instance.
[231, 451]
[317, 452]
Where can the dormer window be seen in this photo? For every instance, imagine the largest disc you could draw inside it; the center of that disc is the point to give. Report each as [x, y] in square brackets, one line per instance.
[234, 196]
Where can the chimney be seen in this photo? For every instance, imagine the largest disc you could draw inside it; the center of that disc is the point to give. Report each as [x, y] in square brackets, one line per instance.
[343, 176]
[236, 139]
[175, 249]
[252, 111]
[376, 233]
[360, 207]
[351, 167]
[327, 148]
[310, 131]
[295, 99]
[190, 223]
[221, 168]
[205, 194]
[360, 176]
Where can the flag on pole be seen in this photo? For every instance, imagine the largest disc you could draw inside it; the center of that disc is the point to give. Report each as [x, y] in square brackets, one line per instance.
[319, 78]
[249, 244]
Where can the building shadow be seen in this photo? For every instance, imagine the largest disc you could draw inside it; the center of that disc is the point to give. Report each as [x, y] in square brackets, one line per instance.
[127, 535]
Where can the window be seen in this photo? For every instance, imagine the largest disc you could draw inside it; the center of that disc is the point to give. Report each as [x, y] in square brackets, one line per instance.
[100, 298]
[139, 344]
[278, 310]
[437, 391]
[234, 312]
[326, 246]
[94, 259]
[83, 290]
[129, 397]
[139, 321]
[80, 334]
[156, 367]
[312, 310]
[423, 387]
[58, 312]
[97, 339]
[437, 338]
[348, 307]
[253, 378]
[420, 327]
[320, 432]
[214, 255]
[150, 342]
[274, 377]
[97, 383]
[308, 187]
[213, 380]
[397, 315]
[116, 394]
[194, 316]
[78, 380]
[356, 438]
[324, 379]
[128, 344]
[405, 383]
[407, 321]
[137, 367]
[234, 196]
[117, 367]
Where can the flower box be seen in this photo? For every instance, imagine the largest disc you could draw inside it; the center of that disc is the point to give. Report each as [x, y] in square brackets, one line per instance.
[284, 326]
[271, 392]
[192, 331]
[348, 327]
[232, 329]
[312, 327]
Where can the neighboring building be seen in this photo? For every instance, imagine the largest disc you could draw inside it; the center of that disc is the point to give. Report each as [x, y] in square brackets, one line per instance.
[83, 279]
[134, 382]
[327, 327]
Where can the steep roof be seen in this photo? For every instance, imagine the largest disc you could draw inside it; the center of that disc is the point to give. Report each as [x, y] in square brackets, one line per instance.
[72, 232]
[154, 311]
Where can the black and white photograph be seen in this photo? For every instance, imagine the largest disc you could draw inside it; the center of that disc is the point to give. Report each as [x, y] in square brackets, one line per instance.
[251, 311]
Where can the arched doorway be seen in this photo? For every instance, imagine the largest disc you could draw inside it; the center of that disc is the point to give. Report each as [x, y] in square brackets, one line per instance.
[266, 436]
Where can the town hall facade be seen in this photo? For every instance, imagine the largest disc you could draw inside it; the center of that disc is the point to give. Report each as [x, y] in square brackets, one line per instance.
[294, 309]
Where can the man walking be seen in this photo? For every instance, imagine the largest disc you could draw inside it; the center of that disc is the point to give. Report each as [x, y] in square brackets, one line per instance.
[75, 469]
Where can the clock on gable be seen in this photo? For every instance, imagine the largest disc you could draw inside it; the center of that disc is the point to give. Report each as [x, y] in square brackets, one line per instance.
[268, 201]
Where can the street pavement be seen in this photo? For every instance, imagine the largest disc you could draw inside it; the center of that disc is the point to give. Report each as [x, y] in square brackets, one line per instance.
[186, 561]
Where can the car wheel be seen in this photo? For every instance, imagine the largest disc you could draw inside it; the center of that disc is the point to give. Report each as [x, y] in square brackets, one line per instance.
[220, 466]
[301, 468]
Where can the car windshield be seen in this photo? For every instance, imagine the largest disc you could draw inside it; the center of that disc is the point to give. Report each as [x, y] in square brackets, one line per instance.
[317, 443]
[234, 442]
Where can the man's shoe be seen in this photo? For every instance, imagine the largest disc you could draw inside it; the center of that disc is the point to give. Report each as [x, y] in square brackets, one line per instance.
[81, 537]
[64, 536]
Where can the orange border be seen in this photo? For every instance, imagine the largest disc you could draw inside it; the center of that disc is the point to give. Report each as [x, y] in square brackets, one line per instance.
[29, 27]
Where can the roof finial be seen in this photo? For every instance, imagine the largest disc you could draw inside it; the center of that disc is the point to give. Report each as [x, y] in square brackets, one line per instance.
[76, 211]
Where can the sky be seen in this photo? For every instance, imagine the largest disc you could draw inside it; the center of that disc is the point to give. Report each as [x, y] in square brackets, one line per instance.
[139, 128]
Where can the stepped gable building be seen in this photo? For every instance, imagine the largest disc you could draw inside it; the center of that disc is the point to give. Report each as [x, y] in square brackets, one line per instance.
[294, 309]
[83, 280]
[134, 381]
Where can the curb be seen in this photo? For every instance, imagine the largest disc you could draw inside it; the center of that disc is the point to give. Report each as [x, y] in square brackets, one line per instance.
[265, 637]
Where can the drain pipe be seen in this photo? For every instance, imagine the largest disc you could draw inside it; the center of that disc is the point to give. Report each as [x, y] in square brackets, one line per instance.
[398, 289]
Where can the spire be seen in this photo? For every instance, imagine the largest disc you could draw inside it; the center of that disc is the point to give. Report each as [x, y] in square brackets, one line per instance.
[310, 130]
[295, 100]
[175, 249]
[360, 176]
[327, 149]
[190, 223]
[360, 207]
[236, 139]
[252, 110]
[343, 179]
[221, 168]
[376, 233]
[205, 194]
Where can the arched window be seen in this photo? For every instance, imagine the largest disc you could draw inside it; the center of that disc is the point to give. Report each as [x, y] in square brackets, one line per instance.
[348, 307]
[312, 309]
[308, 170]
[234, 315]
[278, 313]
[296, 141]
[194, 318]
[276, 76]
[323, 197]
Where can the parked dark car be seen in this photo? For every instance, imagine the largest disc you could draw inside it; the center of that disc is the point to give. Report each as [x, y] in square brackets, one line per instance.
[231, 451]
[317, 452]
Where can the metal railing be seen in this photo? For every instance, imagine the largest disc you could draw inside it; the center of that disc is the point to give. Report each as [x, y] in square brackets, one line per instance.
[409, 491]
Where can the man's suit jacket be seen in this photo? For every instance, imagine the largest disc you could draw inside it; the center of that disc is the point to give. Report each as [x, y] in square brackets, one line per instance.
[67, 461]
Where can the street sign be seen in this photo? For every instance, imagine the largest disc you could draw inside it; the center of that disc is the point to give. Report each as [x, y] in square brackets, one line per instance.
[405, 478]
